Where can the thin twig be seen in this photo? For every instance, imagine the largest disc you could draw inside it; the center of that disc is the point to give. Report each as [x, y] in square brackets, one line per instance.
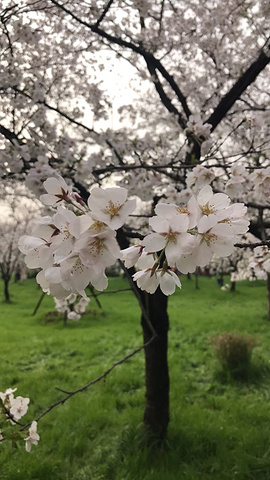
[253, 245]
[113, 291]
[89, 384]
[105, 11]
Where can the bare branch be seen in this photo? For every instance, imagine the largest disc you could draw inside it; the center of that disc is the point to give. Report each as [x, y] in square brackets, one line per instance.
[149, 57]
[248, 77]
[163, 97]
[89, 384]
[253, 245]
[104, 13]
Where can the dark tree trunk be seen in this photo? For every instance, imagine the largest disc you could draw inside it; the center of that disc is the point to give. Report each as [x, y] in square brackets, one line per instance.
[197, 279]
[233, 285]
[6, 290]
[268, 294]
[156, 414]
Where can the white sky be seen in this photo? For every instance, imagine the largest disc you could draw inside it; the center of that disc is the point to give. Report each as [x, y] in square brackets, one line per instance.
[115, 81]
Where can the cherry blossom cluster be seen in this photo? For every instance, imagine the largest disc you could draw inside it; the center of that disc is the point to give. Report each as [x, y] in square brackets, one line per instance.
[73, 247]
[201, 131]
[225, 288]
[241, 181]
[71, 306]
[198, 177]
[253, 265]
[40, 171]
[12, 409]
[260, 263]
[185, 237]
[250, 186]
[196, 126]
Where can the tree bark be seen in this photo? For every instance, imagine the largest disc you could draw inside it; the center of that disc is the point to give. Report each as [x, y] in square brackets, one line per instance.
[156, 414]
[6, 290]
[268, 294]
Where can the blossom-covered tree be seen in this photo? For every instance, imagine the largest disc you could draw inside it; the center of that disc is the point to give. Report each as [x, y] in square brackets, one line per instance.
[10, 256]
[11, 228]
[200, 100]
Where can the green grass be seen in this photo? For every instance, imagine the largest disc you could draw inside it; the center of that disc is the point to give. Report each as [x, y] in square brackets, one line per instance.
[219, 429]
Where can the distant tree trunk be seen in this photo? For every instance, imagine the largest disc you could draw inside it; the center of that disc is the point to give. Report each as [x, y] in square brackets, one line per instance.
[6, 289]
[17, 275]
[156, 414]
[197, 279]
[232, 287]
[268, 294]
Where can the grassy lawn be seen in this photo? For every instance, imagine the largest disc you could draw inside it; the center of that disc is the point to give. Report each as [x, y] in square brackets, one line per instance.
[220, 428]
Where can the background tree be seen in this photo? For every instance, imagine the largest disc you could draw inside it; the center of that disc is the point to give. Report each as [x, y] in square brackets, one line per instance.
[10, 256]
[17, 216]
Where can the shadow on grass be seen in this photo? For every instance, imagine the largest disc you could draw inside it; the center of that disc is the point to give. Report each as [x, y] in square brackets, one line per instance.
[185, 451]
[191, 452]
[255, 374]
[57, 319]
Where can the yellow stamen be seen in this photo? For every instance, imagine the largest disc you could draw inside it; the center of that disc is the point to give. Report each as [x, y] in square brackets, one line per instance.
[113, 208]
[207, 209]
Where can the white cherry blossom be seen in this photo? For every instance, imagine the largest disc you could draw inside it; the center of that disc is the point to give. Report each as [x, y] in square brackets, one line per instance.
[57, 191]
[171, 235]
[38, 253]
[53, 288]
[168, 281]
[234, 216]
[215, 238]
[7, 396]
[199, 177]
[167, 211]
[73, 316]
[211, 203]
[32, 438]
[97, 251]
[131, 255]
[260, 262]
[196, 125]
[18, 407]
[80, 307]
[146, 280]
[111, 206]
[69, 227]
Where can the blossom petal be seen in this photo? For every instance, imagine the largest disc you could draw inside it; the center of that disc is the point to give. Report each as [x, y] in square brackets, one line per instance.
[154, 242]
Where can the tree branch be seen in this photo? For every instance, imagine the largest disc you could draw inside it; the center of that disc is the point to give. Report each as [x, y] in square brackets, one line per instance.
[149, 57]
[253, 245]
[104, 13]
[248, 77]
[162, 95]
[89, 384]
